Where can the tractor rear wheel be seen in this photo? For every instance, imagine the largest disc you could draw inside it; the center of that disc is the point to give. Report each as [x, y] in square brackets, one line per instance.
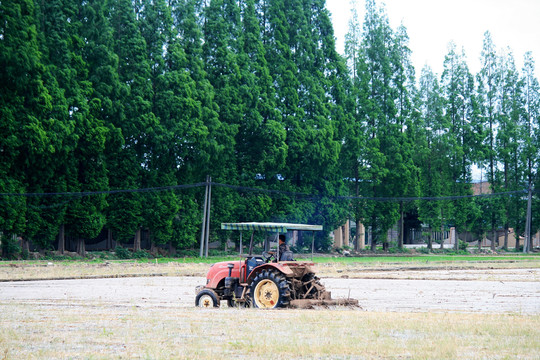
[269, 290]
[207, 298]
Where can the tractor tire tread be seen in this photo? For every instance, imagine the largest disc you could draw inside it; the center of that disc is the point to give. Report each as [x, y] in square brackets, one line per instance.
[211, 293]
[281, 282]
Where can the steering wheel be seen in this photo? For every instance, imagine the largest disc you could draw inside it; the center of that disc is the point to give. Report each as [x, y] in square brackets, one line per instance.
[268, 255]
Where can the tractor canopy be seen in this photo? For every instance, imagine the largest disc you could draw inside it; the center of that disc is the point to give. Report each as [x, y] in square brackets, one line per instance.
[271, 227]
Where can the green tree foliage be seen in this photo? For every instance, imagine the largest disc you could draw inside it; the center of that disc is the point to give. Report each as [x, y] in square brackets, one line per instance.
[432, 159]
[530, 122]
[509, 141]
[122, 94]
[24, 103]
[134, 122]
[530, 116]
[85, 167]
[489, 79]
[261, 147]
[389, 75]
[171, 104]
[355, 151]
[109, 92]
[465, 135]
[405, 175]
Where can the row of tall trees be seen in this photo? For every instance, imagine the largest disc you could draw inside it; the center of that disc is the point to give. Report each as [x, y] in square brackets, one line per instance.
[103, 95]
[118, 94]
[423, 138]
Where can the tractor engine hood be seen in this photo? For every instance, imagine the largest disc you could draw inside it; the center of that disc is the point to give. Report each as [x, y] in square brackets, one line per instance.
[220, 271]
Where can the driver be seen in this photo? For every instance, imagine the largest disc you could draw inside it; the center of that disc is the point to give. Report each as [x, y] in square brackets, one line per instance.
[282, 244]
[285, 254]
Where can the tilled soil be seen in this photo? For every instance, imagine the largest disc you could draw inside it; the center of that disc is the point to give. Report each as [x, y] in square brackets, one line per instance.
[483, 291]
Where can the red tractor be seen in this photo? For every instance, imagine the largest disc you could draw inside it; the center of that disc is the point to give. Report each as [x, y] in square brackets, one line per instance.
[265, 281]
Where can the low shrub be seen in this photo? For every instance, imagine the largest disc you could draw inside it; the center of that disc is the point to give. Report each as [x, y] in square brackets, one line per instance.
[217, 252]
[397, 250]
[187, 253]
[423, 250]
[105, 255]
[141, 254]
[11, 250]
[122, 253]
[55, 256]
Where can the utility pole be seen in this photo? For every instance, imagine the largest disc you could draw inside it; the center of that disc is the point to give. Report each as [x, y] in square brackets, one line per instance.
[526, 245]
[208, 215]
[203, 226]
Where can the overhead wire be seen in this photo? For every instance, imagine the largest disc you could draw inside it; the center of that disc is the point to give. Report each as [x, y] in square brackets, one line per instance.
[268, 191]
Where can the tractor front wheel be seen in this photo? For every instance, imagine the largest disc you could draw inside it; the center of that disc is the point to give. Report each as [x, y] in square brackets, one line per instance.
[269, 290]
[207, 298]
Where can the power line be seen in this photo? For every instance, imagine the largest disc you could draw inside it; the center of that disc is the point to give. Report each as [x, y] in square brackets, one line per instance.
[373, 198]
[268, 191]
[441, 198]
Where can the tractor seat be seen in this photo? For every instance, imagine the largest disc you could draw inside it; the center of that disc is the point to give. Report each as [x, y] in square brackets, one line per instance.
[286, 256]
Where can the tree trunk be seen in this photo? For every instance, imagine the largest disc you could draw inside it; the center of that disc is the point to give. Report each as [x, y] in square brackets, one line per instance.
[172, 249]
[481, 241]
[109, 239]
[401, 225]
[62, 239]
[137, 240]
[454, 236]
[25, 246]
[505, 246]
[81, 248]
[360, 243]
[429, 240]
[347, 234]
[442, 237]
[2, 247]
[494, 240]
[373, 236]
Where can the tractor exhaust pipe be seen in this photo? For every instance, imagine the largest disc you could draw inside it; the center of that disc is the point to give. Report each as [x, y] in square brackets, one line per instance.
[230, 282]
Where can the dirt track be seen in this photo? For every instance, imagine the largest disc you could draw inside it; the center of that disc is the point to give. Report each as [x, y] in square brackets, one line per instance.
[501, 291]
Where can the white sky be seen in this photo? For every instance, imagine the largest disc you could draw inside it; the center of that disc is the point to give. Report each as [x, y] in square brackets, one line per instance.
[432, 24]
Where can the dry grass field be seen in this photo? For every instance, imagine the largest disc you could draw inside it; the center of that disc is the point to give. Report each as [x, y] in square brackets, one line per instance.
[47, 270]
[484, 311]
[131, 332]
[418, 267]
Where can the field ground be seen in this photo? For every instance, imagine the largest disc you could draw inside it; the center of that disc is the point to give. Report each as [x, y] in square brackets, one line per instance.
[353, 267]
[480, 309]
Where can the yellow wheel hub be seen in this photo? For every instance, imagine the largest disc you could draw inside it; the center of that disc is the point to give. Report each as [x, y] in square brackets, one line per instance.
[206, 301]
[266, 294]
